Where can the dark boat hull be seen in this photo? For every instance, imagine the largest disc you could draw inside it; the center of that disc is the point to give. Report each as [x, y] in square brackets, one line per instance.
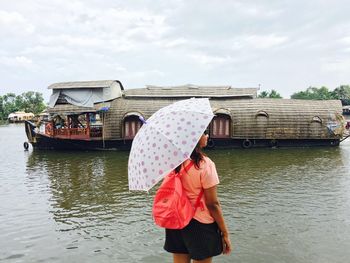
[44, 142]
[48, 143]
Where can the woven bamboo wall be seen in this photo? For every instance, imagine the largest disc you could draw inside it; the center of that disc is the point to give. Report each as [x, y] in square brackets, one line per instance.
[119, 107]
[287, 119]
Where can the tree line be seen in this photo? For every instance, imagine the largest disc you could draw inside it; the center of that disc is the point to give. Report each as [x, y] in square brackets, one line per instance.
[313, 93]
[28, 102]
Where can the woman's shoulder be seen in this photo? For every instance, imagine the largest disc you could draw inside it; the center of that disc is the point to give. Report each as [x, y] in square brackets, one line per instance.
[207, 159]
[206, 162]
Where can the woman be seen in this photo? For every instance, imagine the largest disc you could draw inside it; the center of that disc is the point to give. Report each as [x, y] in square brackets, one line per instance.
[207, 234]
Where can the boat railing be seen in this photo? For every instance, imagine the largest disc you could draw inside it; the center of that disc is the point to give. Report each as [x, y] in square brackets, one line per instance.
[96, 131]
[73, 133]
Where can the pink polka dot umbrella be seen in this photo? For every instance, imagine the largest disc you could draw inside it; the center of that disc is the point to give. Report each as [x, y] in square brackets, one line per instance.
[166, 140]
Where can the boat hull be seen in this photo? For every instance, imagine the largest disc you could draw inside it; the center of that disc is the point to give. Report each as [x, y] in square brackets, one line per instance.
[44, 142]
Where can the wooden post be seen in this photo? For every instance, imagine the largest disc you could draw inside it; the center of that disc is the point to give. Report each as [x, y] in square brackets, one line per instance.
[88, 124]
[103, 129]
[69, 125]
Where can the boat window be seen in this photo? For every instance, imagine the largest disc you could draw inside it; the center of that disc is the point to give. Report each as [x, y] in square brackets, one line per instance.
[132, 124]
[82, 120]
[95, 119]
[220, 126]
[316, 119]
[77, 121]
[262, 113]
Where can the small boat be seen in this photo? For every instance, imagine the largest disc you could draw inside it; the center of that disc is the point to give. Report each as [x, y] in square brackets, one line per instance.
[20, 116]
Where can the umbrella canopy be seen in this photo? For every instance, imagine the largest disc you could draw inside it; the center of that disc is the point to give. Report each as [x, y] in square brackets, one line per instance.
[166, 139]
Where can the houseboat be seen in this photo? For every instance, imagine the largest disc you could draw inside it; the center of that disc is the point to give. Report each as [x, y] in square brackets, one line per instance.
[20, 116]
[96, 115]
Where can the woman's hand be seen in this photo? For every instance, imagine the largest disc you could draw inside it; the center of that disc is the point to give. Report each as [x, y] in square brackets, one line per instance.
[214, 208]
[226, 243]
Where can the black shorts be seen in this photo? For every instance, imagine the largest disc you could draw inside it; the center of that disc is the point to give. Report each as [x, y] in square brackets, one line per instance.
[199, 240]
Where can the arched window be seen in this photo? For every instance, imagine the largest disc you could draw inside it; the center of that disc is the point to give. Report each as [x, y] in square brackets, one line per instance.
[132, 124]
[316, 119]
[261, 113]
[316, 130]
[221, 126]
[261, 123]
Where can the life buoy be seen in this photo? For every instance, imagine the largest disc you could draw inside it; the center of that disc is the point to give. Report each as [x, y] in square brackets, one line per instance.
[273, 143]
[210, 143]
[49, 128]
[246, 144]
[25, 145]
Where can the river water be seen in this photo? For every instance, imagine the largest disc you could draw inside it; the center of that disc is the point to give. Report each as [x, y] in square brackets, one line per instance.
[281, 205]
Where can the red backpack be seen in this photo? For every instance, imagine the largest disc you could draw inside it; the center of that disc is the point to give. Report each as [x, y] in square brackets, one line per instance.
[171, 207]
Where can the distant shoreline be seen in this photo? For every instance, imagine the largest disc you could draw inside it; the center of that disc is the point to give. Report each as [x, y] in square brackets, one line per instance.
[2, 122]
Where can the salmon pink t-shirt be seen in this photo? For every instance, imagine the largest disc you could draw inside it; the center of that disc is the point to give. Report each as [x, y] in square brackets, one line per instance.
[197, 179]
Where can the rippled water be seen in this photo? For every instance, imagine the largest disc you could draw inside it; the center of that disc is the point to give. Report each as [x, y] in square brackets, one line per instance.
[281, 205]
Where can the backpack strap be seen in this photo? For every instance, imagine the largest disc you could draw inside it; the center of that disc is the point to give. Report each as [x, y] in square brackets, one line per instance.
[188, 166]
[198, 201]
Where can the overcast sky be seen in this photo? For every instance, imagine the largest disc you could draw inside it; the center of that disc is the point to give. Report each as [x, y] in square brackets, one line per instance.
[282, 45]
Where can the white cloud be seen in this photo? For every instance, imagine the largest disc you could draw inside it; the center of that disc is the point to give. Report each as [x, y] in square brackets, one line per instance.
[18, 61]
[265, 41]
[14, 23]
[337, 66]
[345, 40]
[175, 42]
[208, 60]
[254, 10]
[72, 40]
[21, 60]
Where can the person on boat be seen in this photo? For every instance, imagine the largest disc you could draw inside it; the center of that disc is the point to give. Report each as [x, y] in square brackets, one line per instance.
[206, 235]
[75, 123]
[59, 122]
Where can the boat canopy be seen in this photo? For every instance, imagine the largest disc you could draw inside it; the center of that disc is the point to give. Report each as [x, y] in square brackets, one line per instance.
[85, 93]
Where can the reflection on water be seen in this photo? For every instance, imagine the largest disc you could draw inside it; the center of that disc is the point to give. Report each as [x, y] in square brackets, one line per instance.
[282, 205]
[90, 199]
[84, 185]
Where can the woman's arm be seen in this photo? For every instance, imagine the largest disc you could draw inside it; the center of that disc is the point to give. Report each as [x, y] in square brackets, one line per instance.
[212, 202]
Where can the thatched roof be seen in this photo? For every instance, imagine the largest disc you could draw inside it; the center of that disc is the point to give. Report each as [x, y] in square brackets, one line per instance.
[86, 84]
[67, 109]
[191, 91]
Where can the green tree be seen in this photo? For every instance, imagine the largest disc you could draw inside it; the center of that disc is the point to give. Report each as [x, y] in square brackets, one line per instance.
[1, 108]
[272, 94]
[314, 93]
[9, 104]
[32, 102]
[263, 94]
[29, 102]
[342, 93]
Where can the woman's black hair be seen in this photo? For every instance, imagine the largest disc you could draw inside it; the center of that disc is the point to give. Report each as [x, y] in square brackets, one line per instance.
[197, 156]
